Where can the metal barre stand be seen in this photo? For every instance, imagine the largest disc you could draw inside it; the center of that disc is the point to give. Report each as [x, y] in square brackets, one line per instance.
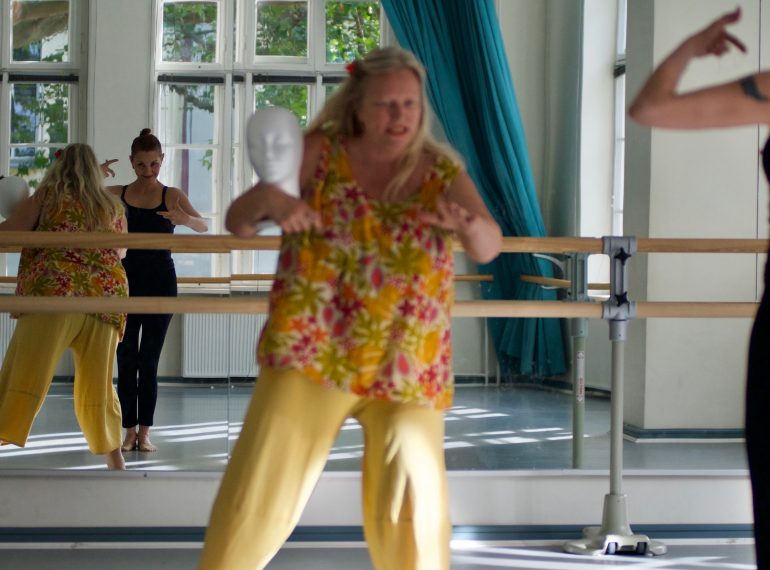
[577, 273]
[614, 536]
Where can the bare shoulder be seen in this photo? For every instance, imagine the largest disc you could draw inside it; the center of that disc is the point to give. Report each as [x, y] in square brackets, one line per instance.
[116, 190]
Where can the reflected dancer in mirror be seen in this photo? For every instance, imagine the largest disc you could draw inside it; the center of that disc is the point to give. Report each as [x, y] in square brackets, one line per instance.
[151, 207]
[70, 198]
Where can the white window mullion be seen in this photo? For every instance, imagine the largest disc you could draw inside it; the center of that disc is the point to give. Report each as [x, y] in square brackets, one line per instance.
[155, 50]
[248, 32]
[5, 122]
[316, 33]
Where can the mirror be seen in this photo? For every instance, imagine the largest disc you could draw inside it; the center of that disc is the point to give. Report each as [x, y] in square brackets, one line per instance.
[498, 422]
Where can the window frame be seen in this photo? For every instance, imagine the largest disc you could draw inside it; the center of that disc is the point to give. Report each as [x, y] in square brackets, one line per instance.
[70, 72]
[239, 71]
[619, 146]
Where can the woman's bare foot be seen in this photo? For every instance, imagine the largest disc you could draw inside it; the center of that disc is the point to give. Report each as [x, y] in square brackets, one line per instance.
[115, 461]
[131, 441]
[143, 442]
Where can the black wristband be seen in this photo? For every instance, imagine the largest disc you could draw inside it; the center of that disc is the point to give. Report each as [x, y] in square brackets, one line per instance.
[749, 86]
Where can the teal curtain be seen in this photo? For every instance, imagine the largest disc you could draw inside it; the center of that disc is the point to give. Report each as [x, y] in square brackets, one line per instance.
[470, 88]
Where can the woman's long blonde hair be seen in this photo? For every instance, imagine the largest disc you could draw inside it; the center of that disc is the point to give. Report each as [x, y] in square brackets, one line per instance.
[338, 116]
[75, 175]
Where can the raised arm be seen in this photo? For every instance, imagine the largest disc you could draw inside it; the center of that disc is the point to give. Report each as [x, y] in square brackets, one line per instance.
[265, 201]
[181, 212]
[735, 103]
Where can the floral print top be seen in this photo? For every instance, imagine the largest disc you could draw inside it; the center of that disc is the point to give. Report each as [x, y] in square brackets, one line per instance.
[363, 305]
[65, 272]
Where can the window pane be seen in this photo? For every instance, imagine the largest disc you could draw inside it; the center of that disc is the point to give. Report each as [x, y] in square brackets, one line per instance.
[39, 112]
[40, 30]
[30, 163]
[236, 156]
[292, 97]
[329, 89]
[12, 264]
[352, 29]
[281, 28]
[191, 170]
[189, 32]
[187, 114]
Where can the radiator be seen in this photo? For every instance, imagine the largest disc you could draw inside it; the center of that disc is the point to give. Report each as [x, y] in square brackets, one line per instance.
[7, 324]
[220, 346]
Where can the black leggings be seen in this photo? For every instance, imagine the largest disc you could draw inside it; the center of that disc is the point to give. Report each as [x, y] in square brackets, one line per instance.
[758, 429]
[138, 367]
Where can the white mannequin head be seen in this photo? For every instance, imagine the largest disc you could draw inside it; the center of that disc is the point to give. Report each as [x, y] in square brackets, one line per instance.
[13, 190]
[274, 141]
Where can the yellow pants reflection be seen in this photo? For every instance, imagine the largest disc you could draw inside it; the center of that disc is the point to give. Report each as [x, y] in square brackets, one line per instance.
[290, 427]
[29, 365]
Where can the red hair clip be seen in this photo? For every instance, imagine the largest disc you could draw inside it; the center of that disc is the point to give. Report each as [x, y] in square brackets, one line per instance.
[351, 67]
[57, 154]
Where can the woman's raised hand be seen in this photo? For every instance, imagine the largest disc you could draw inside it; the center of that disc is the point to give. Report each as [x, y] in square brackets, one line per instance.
[176, 215]
[452, 217]
[715, 39]
[105, 167]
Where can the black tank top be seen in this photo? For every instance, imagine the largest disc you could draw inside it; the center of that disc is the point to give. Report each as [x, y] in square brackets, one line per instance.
[147, 220]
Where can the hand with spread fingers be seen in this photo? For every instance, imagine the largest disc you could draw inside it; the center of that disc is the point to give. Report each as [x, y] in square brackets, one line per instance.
[453, 217]
[106, 167]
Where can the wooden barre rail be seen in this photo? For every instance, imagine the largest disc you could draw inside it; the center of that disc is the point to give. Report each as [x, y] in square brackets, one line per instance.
[561, 283]
[13, 241]
[267, 277]
[229, 305]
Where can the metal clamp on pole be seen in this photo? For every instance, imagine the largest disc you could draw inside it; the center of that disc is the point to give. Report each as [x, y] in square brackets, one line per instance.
[614, 535]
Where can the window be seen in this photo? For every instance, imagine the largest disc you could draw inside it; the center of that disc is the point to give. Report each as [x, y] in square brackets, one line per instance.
[216, 61]
[40, 70]
[620, 123]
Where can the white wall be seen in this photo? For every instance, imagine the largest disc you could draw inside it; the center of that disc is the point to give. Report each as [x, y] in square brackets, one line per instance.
[597, 126]
[525, 46]
[689, 373]
[119, 79]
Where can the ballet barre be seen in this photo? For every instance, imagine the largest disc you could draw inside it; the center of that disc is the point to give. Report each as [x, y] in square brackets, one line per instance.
[614, 534]
[560, 283]
[470, 278]
[12, 242]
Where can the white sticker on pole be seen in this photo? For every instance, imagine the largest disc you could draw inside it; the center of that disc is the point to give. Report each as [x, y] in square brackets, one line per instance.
[580, 376]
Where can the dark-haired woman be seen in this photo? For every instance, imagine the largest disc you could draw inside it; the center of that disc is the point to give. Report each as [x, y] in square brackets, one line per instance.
[150, 207]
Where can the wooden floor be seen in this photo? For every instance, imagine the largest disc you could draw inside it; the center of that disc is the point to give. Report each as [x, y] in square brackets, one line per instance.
[354, 557]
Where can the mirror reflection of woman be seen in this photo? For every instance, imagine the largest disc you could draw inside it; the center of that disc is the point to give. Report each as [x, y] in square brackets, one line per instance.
[742, 102]
[70, 198]
[151, 207]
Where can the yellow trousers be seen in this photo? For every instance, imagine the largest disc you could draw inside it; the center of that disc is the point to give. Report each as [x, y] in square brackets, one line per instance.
[29, 365]
[289, 429]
